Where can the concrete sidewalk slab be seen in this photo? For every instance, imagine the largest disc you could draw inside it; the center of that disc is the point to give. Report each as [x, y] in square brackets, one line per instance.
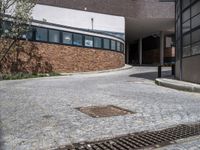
[179, 85]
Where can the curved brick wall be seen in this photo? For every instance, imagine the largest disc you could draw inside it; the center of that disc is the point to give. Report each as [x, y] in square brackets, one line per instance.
[43, 57]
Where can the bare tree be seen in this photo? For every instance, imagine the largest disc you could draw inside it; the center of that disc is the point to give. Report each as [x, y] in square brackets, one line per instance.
[15, 18]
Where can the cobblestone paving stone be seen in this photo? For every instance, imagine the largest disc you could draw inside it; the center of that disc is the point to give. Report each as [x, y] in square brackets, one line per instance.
[39, 113]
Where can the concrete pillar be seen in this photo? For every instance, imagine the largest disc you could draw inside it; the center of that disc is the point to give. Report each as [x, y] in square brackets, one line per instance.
[162, 47]
[140, 51]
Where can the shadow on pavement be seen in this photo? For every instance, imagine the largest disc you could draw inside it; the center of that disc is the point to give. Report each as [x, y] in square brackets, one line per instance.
[152, 75]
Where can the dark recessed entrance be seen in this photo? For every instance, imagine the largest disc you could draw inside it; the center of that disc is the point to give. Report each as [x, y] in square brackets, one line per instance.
[104, 111]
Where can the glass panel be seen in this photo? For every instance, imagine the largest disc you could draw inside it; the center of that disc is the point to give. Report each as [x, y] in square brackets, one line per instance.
[196, 49]
[67, 38]
[186, 51]
[6, 27]
[177, 31]
[54, 36]
[122, 47]
[177, 8]
[113, 45]
[186, 15]
[178, 48]
[97, 42]
[196, 21]
[196, 36]
[78, 40]
[186, 26]
[185, 3]
[118, 46]
[106, 43]
[89, 41]
[178, 27]
[28, 35]
[193, 1]
[196, 8]
[41, 34]
[186, 40]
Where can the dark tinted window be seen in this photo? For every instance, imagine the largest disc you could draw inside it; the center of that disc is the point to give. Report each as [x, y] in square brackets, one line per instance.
[186, 40]
[122, 47]
[185, 3]
[195, 8]
[196, 21]
[97, 42]
[113, 45]
[186, 51]
[106, 43]
[41, 34]
[186, 15]
[89, 41]
[196, 36]
[118, 46]
[196, 48]
[186, 26]
[67, 38]
[78, 40]
[54, 36]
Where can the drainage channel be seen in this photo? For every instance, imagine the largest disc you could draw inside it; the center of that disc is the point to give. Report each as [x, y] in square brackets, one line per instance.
[141, 140]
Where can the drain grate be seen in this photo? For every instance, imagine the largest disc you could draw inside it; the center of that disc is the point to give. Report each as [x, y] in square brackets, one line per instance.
[141, 140]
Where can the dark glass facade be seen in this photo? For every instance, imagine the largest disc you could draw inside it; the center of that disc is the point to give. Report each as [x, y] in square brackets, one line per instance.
[187, 38]
[187, 28]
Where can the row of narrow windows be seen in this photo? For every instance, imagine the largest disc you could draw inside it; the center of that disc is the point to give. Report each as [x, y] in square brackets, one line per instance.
[42, 34]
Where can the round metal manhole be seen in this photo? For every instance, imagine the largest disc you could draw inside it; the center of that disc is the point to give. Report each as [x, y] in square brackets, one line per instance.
[104, 111]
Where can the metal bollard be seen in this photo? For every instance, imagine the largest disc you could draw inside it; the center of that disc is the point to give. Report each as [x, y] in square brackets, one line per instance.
[173, 69]
[159, 71]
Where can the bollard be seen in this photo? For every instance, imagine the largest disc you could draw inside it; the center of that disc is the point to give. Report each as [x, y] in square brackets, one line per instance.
[173, 69]
[159, 71]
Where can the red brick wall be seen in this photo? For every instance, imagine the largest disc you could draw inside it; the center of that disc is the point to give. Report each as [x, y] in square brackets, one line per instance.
[43, 57]
[153, 56]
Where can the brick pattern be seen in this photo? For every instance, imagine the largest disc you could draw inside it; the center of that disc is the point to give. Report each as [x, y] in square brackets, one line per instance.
[43, 57]
[153, 56]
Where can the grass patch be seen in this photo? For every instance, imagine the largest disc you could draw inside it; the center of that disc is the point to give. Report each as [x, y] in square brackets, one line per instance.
[20, 75]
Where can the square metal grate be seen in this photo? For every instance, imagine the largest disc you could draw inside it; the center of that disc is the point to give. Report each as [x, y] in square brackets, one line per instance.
[104, 111]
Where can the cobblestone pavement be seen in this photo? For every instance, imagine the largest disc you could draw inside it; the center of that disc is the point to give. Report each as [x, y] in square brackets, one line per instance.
[40, 113]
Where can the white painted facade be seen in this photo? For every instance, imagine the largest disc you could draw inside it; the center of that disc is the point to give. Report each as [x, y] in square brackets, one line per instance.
[79, 19]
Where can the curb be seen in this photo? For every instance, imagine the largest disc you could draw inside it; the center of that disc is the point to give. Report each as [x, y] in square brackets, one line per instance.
[178, 85]
[126, 67]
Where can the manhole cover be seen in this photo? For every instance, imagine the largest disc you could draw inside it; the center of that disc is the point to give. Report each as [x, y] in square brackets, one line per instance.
[104, 111]
[140, 140]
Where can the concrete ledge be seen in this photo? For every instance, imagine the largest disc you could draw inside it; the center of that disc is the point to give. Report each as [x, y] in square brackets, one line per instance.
[178, 85]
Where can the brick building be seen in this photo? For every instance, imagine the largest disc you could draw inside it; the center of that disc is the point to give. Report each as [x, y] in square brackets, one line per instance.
[85, 35]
